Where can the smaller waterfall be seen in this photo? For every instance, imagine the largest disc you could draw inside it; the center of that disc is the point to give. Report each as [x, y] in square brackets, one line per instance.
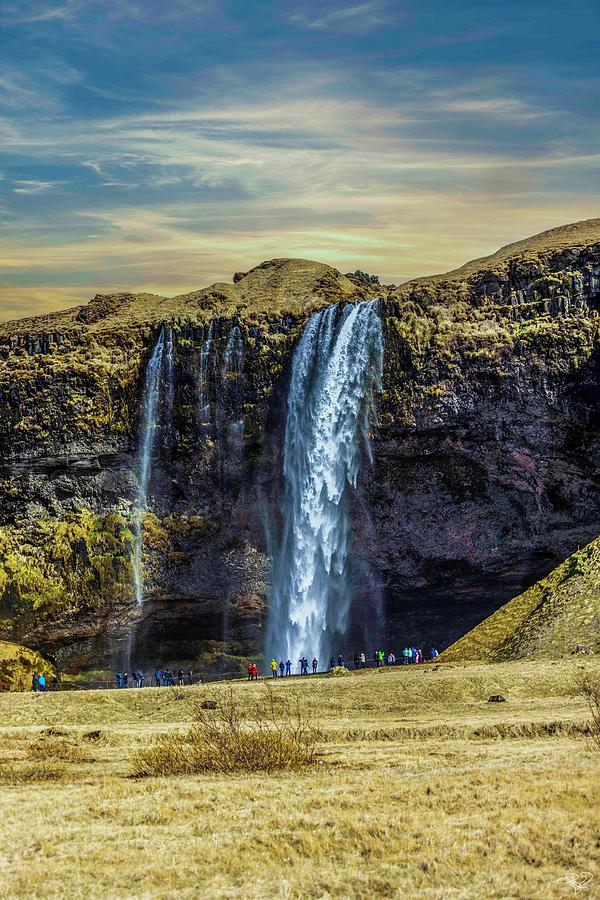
[207, 366]
[161, 360]
[170, 388]
[337, 368]
[233, 364]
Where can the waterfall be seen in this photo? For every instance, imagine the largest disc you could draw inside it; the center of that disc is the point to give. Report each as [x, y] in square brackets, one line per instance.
[170, 387]
[337, 369]
[233, 363]
[160, 369]
[206, 370]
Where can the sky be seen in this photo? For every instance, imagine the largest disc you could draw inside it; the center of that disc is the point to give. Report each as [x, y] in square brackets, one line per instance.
[161, 146]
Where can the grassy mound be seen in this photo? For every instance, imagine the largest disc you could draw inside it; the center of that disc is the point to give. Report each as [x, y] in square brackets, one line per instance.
[18, 664]
[551, 619]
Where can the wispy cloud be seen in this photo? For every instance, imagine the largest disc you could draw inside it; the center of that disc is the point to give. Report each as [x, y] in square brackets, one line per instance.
[35, 187]
[346, 17]
[367, 133]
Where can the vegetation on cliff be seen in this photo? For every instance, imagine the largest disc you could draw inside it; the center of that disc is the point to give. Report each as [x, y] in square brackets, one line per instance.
[495, 335]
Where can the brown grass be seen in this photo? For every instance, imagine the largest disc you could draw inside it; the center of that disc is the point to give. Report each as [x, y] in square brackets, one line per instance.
[590, 686]
[425, 789]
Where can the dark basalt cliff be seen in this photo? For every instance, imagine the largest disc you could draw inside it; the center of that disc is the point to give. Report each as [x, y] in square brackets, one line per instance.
[484, 474]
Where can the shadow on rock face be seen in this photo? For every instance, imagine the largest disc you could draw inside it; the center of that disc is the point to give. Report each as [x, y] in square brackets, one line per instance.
[174, 630]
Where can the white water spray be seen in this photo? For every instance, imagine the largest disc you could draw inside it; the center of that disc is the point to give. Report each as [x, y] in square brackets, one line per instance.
[337, 369]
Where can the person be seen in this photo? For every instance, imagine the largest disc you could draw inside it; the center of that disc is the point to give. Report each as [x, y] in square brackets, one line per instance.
[273, 665]
[42, 682]
[180, 680]
[434, 654]
[134, 675]
[125, 680]
[340, 660]
[281, 668]
[363, 660]
[355, 660]
[391, 659]
[119, 679]
[376, 657]
[332, 663]
[255, 671]
[413, 654]
[140, 678]
[288, 667]
[55, 682]
[419, 655]
[157, 678]
[315, 664]
[34, 683]
[250, 670]
[190, 676]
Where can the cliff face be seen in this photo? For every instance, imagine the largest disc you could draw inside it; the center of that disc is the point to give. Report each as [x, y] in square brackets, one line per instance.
[484, 474]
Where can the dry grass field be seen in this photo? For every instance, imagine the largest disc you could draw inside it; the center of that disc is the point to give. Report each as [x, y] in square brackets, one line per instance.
[422, 788]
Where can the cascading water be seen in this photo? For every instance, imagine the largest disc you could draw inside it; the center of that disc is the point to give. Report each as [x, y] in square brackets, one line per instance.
[160, 369]
[336, 371]
[206, 370]
[170, 386]
[233, 364]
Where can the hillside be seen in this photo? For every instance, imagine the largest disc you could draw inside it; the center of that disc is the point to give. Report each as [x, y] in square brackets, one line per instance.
[552, 618]
[484, 469]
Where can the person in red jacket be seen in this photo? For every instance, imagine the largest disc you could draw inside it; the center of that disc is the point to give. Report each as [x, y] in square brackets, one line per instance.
[250, 671]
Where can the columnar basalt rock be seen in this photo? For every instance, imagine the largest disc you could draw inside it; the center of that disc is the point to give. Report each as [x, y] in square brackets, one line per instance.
[485, 471]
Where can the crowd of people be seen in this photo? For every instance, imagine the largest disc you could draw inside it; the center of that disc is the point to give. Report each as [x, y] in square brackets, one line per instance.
[162, 678]
[283, 668]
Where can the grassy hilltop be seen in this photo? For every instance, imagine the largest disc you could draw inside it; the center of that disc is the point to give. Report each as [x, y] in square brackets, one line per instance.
[415, 792]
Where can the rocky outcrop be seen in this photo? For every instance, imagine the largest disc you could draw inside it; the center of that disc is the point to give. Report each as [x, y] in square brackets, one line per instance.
[484, 473]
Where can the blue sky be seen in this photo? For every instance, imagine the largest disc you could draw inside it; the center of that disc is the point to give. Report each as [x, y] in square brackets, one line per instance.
[162, 146]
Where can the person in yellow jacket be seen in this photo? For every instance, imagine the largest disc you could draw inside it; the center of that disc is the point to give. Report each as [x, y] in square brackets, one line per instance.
[273, 665]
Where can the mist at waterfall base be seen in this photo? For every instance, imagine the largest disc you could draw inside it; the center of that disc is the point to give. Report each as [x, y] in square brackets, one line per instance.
[336, 372]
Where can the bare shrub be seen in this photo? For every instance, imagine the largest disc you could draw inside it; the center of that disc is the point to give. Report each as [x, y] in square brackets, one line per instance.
[55, 748]
[269, 733]
[590, 687]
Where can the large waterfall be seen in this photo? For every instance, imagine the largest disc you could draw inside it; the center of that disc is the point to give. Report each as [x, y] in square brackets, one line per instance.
[336, 371]
[159, 390]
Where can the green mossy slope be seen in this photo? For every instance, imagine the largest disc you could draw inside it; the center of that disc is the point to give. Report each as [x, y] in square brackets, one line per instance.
[551, 619]
[18, 664]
